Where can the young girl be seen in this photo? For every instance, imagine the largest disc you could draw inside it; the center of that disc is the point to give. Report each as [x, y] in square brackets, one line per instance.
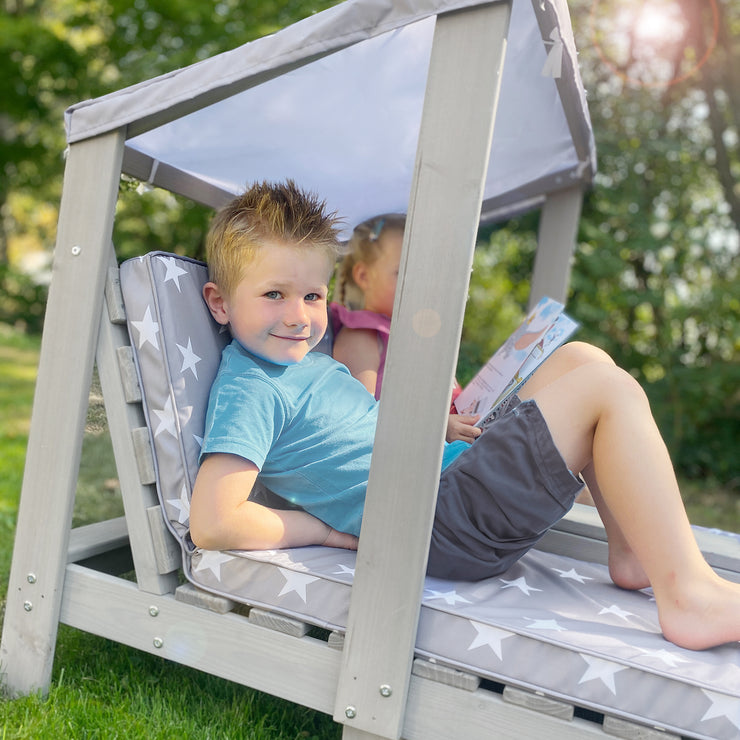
[361, 315]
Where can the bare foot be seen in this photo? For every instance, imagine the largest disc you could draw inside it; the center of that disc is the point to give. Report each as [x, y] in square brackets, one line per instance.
[702, 615]
[624, 568]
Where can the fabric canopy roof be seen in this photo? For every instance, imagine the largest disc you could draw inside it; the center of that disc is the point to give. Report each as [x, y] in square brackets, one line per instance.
[335, 103]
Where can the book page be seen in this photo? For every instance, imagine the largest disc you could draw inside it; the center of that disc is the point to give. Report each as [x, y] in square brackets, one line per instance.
[535, 338]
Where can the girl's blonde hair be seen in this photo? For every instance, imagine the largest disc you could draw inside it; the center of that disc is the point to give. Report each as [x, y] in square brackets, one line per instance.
[365, 245]
[266, 213]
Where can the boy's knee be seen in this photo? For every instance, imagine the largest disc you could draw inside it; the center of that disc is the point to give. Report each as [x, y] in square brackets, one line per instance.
[620, 386]
[582, 353]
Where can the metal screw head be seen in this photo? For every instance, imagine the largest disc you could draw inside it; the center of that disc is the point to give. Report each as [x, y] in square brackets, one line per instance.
[154, 610]
[350, 712]
[385, 690]
[31, 578]
[158, 642]
[27, 605]
[76, 250]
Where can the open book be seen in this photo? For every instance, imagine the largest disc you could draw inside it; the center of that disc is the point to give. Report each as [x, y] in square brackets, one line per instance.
[537, 337]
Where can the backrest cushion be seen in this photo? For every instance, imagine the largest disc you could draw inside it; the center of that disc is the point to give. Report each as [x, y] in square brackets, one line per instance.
[177, 348]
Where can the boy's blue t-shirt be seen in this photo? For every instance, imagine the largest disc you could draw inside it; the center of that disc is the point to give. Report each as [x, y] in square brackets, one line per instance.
[309, 427]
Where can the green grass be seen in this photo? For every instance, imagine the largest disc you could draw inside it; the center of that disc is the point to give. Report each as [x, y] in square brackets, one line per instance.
[105, 690]
[100, 689]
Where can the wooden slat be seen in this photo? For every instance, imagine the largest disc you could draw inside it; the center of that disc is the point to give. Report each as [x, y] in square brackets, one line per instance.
[114, 297]
[302, 670]
[129, 378]
[95, 539]
[450, 169]
[59, 411]
[538, 702]
[167, 550]
[141, 166]
[187, 593]
[133, 459]
[278, 622]
[439, 712]
[632, 731]
[144, 457]
[445, 675]
[336, 640]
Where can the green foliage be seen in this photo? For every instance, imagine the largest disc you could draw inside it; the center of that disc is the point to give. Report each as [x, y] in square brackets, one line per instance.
[656, 266]
[697, 409]
[149, 219]
[497, 299]
[22, 300]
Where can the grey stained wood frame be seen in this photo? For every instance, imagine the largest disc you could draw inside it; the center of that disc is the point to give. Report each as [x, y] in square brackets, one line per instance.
[60, 404]
[371, 675]
[556, 240]
[425, 333]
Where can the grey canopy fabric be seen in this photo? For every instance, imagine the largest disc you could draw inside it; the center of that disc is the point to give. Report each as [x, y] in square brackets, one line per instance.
[344, 122]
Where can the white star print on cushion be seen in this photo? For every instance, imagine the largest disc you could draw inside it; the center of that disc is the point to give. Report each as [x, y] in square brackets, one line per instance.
[148, 329]
[617, 610]
[189, 359]
[182, 505]
[449, 597]
[296, 583]
[210, 560]
[521, 584]
[601, 670]
[572, 574]
[551, 625]
[166, 418]
[177, 350]
[668, 658]
[491, 637]
[174, 271]
[724, 707]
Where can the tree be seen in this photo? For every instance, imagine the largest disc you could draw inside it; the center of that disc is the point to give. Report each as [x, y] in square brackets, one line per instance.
[656, 272]
[54, 53]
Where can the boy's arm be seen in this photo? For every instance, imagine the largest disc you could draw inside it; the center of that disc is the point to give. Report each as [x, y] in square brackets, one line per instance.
[221, 517]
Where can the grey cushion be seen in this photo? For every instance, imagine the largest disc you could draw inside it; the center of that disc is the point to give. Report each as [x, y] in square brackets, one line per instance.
[551, 624]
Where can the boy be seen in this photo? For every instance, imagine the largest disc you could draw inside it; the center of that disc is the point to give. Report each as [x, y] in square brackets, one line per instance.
[306, 427]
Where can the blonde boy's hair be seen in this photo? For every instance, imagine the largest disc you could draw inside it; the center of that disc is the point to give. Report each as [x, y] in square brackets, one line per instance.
[365, 245]
[266, 212]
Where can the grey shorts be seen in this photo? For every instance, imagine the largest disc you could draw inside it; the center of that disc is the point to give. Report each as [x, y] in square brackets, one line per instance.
[498, 498]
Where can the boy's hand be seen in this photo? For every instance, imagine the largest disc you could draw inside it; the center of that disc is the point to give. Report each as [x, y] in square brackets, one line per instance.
[461, 426]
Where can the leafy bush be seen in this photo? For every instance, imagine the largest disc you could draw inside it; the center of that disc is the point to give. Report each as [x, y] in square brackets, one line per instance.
[22, 300]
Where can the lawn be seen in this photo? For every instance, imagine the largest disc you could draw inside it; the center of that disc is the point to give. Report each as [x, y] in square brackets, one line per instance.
[104, 690]
[101, 689]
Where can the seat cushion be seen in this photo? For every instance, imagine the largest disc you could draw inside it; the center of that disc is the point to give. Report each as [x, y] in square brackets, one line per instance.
[550, 624]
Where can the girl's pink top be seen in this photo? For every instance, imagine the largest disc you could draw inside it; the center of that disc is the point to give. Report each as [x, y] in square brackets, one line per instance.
[342, 316]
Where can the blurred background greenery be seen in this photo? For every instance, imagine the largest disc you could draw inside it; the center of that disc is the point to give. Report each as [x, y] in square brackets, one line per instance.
[655, 273]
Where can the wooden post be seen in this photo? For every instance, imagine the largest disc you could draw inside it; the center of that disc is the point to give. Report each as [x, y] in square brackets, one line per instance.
[556, 240]
[444, 208]
[59, 410]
